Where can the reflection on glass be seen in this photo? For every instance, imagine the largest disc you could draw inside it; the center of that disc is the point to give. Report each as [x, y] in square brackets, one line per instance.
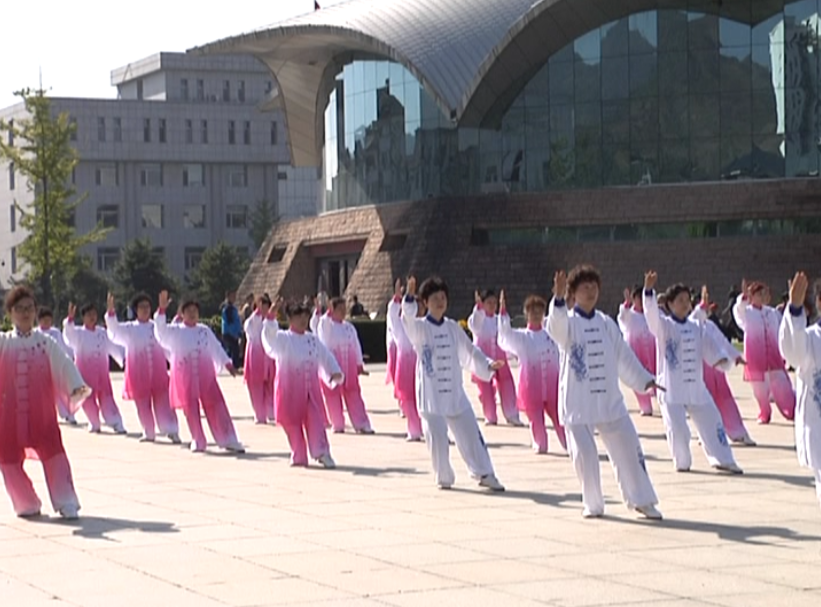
[663, 96]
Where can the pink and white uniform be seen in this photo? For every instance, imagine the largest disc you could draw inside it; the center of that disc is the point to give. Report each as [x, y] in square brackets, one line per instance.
[92, 348]
[404, 379]
[33, 371]
[301, 360]
[538, 377]
[196, 358]
[63, 409]
[259, 370]
[719, 387]
[342, 340]
[633, 325]
[485, 337]
[765, 368]
[146, 375]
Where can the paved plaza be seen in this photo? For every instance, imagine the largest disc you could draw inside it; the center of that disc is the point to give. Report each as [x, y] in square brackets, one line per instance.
[162, 526]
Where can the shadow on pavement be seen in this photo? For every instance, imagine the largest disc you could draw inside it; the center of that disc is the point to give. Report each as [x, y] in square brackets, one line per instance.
[97, 528]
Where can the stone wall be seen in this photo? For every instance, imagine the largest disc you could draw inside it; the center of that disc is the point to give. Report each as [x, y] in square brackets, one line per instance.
[439, 242]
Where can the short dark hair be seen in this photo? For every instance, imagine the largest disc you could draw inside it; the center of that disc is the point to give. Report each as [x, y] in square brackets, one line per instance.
[266, 299]
[638, 291]
[338, 302]
[18, 294]
[581, 274]
[535, 301]
[138, 299]
[431, 286]
[187, 303]
[89, 307]
[45, 312]
[757, 286]
[297, 308]
[484, 295]
[676, 290]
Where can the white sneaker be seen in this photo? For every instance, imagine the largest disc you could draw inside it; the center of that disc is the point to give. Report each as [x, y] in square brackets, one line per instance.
[195, 449]
[490, 481]
[588, 513]
[70, 513]
[174, 438]
[650, 512]
[327, 461]
[93, 430]
[745, 440]
[445, 486]
[146, 439]
[235, 448]
[516, 422]
[71, 420]
[731, 468]
[118, 428]
[365, 431]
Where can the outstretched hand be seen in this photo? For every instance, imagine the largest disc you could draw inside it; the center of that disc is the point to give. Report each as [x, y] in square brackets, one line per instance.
[650, 280]
[110, 303]
[798, 289]
[397, 288]
[560, 284]
[497, 364]
[411, 289]
[627, 295]
[72, 311]
[705, 295]
[502, 302]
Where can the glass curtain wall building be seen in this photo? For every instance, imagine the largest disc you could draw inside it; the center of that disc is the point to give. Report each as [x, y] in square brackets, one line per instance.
[659, 97]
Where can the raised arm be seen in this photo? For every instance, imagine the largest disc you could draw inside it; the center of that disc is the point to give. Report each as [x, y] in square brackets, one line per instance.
[792, 334]
[69, 328]
[272, 337]
[477, 318]
[651, 307]
[558, 319]
[510, 340]
[625, 309]
[740, 311]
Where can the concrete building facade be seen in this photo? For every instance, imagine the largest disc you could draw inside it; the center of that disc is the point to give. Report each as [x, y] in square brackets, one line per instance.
[182, 157]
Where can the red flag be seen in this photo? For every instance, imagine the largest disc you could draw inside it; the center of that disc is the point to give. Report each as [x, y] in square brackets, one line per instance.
[316, 5]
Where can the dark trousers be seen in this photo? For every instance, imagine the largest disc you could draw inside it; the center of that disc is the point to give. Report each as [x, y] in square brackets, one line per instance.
[231, 345]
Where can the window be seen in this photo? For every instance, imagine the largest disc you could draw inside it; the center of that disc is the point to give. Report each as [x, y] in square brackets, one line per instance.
[184, 89]
[152, 216]
[189, 131]
[226, 90]
[193, 175]
[11, 175]
[72, 122]
[13, 260]
[241, 91]
[236, 217]
[200, 90]
[118, 129]
[204, 131]
[107, 258]
[12, 218]
[274, 134]
[193, 257]
[193, 216]
[151, 175]
[108, 216]
[238, 177]
[147, 130]
[277, 253]
[282, 176]
[106, 175]
[100, 129]
[232, 132]
[140, 88]
[162, 130]
[246, 133]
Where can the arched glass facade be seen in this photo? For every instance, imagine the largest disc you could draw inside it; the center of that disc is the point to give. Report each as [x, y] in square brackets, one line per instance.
[665, 96]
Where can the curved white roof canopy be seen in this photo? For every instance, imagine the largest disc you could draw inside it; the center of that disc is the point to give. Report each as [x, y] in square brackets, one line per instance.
[472, 56]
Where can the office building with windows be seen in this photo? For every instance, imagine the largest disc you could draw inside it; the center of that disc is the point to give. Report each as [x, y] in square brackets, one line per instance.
[182, 156]
[494, 142]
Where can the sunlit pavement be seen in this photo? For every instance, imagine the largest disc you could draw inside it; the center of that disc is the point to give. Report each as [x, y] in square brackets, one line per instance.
[163, 526]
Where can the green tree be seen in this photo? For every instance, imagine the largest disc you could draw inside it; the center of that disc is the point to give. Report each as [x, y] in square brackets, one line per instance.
[221, 269]
[262, 219]
[40, 148]
[141, 268]
[81, 285]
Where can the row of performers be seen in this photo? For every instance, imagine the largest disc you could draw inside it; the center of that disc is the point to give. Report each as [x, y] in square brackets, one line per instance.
[591, 358]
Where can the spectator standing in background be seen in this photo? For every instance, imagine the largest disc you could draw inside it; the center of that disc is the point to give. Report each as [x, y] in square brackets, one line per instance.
[231, 328]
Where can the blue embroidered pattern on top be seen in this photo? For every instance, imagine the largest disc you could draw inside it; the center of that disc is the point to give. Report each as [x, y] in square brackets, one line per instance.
[578, 363]
[671, 353]
[816, 389]
[427, 360]
[722, 436]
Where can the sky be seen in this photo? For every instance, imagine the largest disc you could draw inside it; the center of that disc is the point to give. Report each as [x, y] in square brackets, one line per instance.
[77, 44]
